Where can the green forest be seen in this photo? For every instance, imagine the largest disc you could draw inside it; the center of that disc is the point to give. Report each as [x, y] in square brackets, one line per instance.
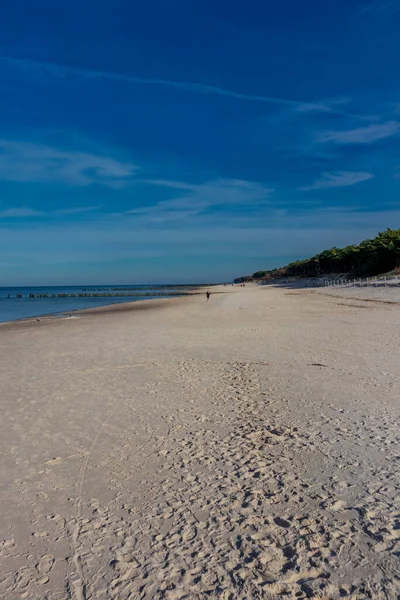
[372, 257]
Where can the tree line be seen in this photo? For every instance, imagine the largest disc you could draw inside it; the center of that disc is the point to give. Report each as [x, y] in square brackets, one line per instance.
[372, 257]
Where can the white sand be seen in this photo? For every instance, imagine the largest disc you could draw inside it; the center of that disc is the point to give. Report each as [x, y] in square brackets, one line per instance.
[380, 293]
[247, 447]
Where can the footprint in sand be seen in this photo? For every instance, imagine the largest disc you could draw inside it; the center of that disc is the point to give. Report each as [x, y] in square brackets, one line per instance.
[333, 506]
[54, 461]
[282, 522]
[40, 534]
[45, 564]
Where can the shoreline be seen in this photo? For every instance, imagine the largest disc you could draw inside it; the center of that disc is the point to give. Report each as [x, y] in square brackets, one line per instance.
[102, 308]
[77, 313]
[116, 307]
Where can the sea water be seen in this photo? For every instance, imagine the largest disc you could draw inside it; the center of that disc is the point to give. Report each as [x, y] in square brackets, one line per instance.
[18, 303]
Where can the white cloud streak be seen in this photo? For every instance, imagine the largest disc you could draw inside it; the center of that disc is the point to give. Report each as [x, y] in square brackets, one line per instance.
[361, 135]
[19, 212]
[24, 212]
[337, 180]
[34, 67]
[76, 211]
[29, 162]
[195, 199]
[379, 8]
[200, 197]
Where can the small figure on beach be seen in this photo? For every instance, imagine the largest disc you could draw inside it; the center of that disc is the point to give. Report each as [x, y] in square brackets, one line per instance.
[208, 295]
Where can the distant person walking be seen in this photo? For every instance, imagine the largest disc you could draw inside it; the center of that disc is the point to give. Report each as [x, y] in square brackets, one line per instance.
[208, 296]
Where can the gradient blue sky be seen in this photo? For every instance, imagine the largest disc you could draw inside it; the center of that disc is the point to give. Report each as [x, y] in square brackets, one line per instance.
[192, 140]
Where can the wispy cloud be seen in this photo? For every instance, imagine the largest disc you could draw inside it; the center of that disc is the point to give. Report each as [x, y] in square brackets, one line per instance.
[361, 135]
[29, 162]
[200, 197]
[24, 212]
[38, 68]
[21, 212]
[167, 183]
[381, 7]
[337, 180]
[77, 210]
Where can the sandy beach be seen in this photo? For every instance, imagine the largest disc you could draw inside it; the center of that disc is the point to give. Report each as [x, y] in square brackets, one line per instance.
[245, 447]
[381, 294]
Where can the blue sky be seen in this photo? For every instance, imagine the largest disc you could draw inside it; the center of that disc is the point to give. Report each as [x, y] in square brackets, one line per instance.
[193, 140]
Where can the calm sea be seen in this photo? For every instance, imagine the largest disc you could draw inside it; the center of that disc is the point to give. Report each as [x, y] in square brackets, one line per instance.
[18, 303]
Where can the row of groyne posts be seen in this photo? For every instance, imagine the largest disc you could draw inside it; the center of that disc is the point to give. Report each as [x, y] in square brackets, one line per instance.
[104, 295]
[366, 282]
